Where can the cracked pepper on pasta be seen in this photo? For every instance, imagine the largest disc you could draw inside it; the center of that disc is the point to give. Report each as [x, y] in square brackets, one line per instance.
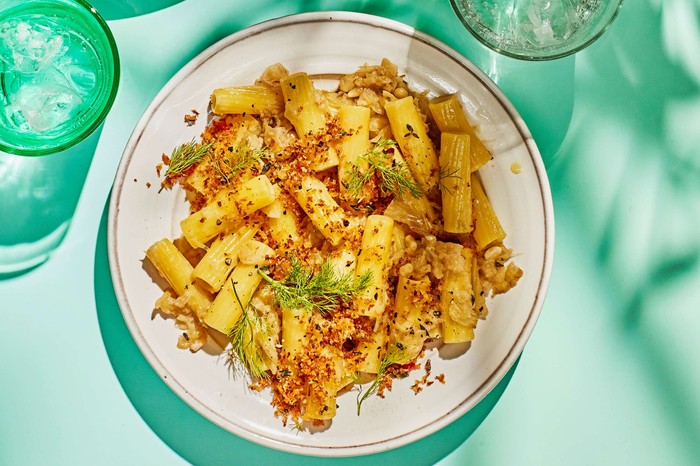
[331, 235]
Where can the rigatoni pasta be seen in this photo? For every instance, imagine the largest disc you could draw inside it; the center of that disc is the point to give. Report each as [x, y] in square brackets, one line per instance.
[222, 257]
[456, 186]
[226, 207]
[253, 100]
[233, 298]
[305, 114]
[373, 260]
[411, 134]
[450, 118]
[354, 121]
[332, 235]
[177, 271]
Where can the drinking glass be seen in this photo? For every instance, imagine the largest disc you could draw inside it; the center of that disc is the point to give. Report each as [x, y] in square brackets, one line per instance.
[536, 29]
[59, 73]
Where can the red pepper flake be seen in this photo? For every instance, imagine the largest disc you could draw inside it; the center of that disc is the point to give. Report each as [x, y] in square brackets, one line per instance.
[219, 125]
[411, 366]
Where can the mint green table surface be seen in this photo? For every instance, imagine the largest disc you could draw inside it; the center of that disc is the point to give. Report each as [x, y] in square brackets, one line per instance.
[611, 374]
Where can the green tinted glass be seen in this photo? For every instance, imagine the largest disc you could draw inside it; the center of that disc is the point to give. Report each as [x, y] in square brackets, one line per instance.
[537, 29]
[59, 74]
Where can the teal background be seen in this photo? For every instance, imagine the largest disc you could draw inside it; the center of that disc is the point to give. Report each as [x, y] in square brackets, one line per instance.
[610, 374]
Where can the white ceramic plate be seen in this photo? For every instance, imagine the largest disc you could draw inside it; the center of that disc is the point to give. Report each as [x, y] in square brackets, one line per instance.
[323, 43]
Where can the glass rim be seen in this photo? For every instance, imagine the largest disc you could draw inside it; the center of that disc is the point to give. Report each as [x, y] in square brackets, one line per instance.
[99, 118]
[532, 57]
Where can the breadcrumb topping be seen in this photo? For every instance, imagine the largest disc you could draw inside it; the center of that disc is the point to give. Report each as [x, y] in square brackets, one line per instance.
[331, 352]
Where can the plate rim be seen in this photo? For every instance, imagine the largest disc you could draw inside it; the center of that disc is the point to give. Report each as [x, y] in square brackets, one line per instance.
[497, 373]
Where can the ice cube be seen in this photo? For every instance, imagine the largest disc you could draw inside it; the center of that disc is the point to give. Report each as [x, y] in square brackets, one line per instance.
[546, 22]
[541, 27]
[82, 80]
[15, 119]
[28, 47]
[46, 106]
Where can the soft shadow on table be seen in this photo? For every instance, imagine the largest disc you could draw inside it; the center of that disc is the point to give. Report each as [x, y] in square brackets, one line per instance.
[639, 94]
[112, 9]
[201, 442]
[38, 197]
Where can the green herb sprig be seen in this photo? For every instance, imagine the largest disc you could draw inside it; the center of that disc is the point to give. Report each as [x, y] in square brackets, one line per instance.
[392, 356]
[446, 173]
[243, 345]
[185, 156]
[323, 290]
[395, 177]
[228, 167]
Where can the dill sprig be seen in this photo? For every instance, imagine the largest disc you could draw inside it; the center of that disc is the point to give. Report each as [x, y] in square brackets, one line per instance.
[228, 167]
[243, 345]
[185, 156]
[447, 173]
[323, 290]
[392, 356]
[395, 177]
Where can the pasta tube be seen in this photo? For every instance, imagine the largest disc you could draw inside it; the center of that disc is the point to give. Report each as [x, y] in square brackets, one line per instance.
[320, 403]
[373, 258]
[284, 224]
[412, 316]
[193, 255]
[254, 338]
[232, 204]
[487, 227]
[456, 299]
[229, 303]
[449, 117]
[325, 214]
[354, 121]
[373, 352]
[305, 114]
[253, 100]
[478, 290]
[177, 271]
[301, 107]
[416, 212]
[343, 261]
[455, 183]
[294, 325]
[411, 134]
[222, 257]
